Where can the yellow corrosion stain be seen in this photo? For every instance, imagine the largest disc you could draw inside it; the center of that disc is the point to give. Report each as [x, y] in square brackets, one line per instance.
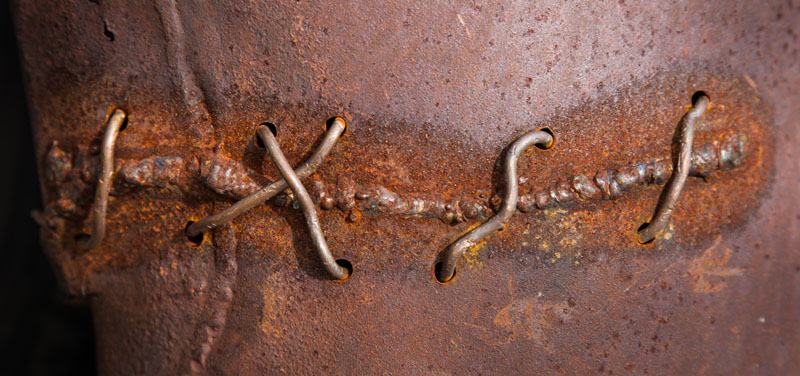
[569, 221]
[567, 241]
[472, 256]
[712, 263]
[524, 244]
[668, 233]
[552, 212]
[544, 245]
[553, 260]
[558, 254]
[274, 304]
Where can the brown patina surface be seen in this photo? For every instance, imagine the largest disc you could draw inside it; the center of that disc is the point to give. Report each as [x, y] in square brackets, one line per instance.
[432, 94]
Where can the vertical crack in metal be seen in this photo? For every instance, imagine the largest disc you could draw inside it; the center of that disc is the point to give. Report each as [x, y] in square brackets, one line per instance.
[219, 298]
[185, 81]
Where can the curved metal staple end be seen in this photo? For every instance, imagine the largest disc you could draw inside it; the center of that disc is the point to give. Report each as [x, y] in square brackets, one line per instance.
[664, 210]
[317, 237]
[308, 167]
[453, 253]
[115, 122]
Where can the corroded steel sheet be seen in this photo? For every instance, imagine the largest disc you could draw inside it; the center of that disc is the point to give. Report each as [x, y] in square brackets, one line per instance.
[432, 94]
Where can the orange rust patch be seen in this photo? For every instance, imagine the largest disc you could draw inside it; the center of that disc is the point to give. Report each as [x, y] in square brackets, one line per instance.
[274, 303]
[712, 263]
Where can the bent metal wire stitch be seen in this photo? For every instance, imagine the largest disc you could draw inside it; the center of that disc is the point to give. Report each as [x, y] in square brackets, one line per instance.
[317, 237]
[113, 126]
[452, 254]
[673, 189]
[335, 130]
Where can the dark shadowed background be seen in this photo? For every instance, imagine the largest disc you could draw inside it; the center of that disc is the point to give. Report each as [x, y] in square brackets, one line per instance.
[41, 334]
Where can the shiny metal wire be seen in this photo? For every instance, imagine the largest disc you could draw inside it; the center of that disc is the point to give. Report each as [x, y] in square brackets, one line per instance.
[673, 190]
[453, 253]
[113, 126]
[309, 211]
[335, 130]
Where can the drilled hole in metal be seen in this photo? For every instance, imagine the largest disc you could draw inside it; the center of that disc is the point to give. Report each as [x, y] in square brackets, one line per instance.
[696, 96]
[347, 265]
[82, 238]
[330, 121]
[272, 128]
[437, 268]
[195, 240]
[553, 136]
[124, 119]
[642, 227]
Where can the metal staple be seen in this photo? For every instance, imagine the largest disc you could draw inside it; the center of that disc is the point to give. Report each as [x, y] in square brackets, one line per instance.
[445, 268]
[317, 237]
[113, 126]
[673, 189]
[335, 130]
[452, 254]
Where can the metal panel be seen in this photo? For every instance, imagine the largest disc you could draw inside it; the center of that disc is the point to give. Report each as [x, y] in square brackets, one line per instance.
[432, 93]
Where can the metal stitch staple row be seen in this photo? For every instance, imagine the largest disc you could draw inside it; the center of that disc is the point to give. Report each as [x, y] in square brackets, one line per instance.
[673, 189]
[113, 126]
[449, 257]
[312, 221]
[453, 253]
[335, 130]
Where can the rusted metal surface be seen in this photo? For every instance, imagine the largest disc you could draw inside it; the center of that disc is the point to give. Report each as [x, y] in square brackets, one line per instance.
[432, 94]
